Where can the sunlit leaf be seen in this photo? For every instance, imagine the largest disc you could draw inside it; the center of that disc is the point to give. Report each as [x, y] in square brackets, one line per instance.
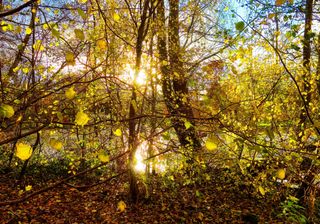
[70, 93]
[261, 190]
[38, 46]
[23, 151]
[210, 145]
[28, 187]
[281, 174]
[103, 157]
[102, 45]
[121, 206]
[81, 118]
[117, 132]
[116, 17]
[79, 34]
[28, 30]
[45, 26]
[187, 124]
[82, 1]
[6, 111]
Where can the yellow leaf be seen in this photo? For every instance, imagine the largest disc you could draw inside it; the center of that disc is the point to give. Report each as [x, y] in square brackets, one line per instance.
[28, 30]
[25, 70]
[38, 46]
[121, 206]
[117, 132]
[45, 26]
[82, 1]
[56, 144]
[81, 118]
[103, 157]
[281, 174]
[102, 45]
[6, 111]
[18, 29]
[70, 93]
[280, 2]
[261, 190]
[28, 188]
[116, 17]
[187, 125]
[70, 58]
[23, 151]
[210, 145]
[79, 34]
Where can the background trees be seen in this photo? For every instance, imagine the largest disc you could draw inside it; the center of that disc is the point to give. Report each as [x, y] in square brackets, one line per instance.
[185, 86]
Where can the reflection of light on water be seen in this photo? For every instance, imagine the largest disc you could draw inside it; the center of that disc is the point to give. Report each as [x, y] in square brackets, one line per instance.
[141, 155]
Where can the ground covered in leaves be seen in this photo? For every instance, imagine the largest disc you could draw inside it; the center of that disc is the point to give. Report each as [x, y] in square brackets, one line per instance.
[172, 200]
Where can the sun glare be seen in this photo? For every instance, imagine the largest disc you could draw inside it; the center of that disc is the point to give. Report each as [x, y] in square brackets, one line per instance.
[140, 166]
[129, 76]
[141, 155]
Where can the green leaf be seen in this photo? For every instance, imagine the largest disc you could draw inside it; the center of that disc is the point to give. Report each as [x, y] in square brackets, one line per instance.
[239, 25]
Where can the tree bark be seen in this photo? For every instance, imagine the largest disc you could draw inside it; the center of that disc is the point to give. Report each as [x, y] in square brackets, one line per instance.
[174, 80]
[305, 192]
[134, 191]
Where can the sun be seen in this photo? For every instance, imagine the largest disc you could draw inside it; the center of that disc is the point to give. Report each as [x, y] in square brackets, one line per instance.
[129, 76]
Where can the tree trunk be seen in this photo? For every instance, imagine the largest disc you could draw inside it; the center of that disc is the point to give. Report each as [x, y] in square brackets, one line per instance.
[174, 80]
[134, 191]
[305, 192]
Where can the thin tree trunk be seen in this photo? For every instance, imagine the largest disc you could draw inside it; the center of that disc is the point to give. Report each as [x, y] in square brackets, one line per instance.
[134, 191]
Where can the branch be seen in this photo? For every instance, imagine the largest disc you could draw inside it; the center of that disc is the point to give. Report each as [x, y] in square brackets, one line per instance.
[23, 135]
[15, 10]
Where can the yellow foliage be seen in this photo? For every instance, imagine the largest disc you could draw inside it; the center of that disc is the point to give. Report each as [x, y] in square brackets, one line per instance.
[280, 2]
[56, 144]
[81, 118]
[281, 174]
[82, 1]
[79, 34]
[261, 190]
[116, 17]
[210, 145]
[28, 30]
[117, 132]
[23, 151]
[6, 111]
[70, 93]
[70, 58]
[121, 206]
[102, 45]
[103, 157]
[28, 188]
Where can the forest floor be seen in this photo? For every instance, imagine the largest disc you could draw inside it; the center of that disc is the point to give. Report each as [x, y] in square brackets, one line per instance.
[214, 201]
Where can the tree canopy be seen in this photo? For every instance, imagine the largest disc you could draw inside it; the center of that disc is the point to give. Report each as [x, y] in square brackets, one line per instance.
[162, 99]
